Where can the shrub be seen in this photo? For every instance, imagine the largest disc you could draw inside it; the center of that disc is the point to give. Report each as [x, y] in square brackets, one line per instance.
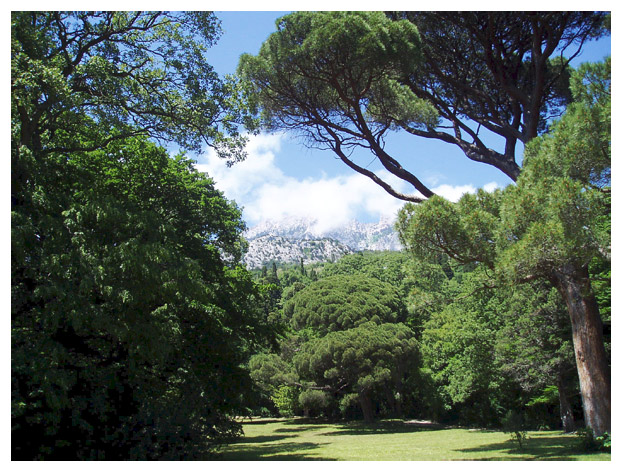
[313, 401]
[285, 399]
[514, 424]
[589, 443]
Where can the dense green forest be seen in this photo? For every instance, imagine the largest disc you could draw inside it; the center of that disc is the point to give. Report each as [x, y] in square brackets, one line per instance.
[454, 349]
[136, 332]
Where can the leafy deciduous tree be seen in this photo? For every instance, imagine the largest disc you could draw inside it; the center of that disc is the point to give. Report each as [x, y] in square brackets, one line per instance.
[128, 327]
[130, 317]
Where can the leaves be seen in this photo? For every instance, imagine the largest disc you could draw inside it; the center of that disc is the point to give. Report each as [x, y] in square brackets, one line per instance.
[364, 358]
[131, 318]
[131, 72]
[333, 77]
[555, 219]
[340, 302]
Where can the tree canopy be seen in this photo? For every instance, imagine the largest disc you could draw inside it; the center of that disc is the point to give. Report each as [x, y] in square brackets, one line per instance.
[342, 302]
[134, 73]
[550, 225]
[343, 80]
[131, 318]
[386, 266]
[361, 361]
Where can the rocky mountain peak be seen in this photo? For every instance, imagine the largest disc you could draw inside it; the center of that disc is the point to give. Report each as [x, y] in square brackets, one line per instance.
[290, 239]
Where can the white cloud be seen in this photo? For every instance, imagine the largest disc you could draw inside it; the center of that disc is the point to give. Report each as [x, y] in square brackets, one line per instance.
[330, 201]
[453, 193]
[265, 192]
[491, 186]
[242, 179]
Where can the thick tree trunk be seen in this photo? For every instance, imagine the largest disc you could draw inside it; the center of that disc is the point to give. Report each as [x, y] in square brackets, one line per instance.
[565, 409]
[587, 335]
[366, 406]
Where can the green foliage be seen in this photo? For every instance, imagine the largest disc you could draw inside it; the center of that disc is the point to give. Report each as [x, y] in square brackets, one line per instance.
[131, 317]
[361, 361]
[342, 302]
[344, 80]
[600, 271]
[385, 266]
[458, 347]
[124, 312]
[325, 58]
[269, 371]
[605, 440]
[134, 73]
[463, 231]
[588, 442]
[535, 344]
[314, 400]
[558, 212]
[348, 403]
[549, 395]
[514, 424]
[285, 399]
[471, 70]
[334, 77]
[550, 226]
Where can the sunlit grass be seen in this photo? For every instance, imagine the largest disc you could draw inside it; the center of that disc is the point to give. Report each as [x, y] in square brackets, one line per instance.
[394, 440]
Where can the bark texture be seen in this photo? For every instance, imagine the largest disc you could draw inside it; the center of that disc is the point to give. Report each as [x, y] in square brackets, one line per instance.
[366, 407]
[589, 348]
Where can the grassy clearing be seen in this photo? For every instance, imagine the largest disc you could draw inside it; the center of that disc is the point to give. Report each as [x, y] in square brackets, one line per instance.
[269, 439]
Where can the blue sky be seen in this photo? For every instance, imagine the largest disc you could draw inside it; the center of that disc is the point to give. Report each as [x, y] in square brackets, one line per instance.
[282, 178]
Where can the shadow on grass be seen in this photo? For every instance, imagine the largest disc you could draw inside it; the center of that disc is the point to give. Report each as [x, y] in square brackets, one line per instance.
[535, 448]
[298, 429]
[259, 421]
[288, 451]
[263, 438]
[383, 427]
[275, 447]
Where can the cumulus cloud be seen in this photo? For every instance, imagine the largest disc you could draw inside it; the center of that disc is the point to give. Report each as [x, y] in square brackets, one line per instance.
[242, 180]
[491, 186]
[266, 193]
[453, 193]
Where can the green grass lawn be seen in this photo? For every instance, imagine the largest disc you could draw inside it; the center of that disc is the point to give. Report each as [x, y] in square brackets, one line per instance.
[295, 439]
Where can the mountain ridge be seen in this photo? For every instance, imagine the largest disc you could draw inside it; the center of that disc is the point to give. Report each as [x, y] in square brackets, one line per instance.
[290, 239]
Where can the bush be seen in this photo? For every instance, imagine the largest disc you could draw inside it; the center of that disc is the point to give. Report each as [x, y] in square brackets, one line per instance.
[514, 424]
[589, 443]
[285, 399]
[349, 406]
[314, 401]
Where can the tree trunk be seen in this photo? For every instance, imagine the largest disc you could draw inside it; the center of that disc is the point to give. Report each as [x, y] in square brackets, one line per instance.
[587, 335]
[366, 406]
[394, 401]
[565, 409]
[398, 406]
